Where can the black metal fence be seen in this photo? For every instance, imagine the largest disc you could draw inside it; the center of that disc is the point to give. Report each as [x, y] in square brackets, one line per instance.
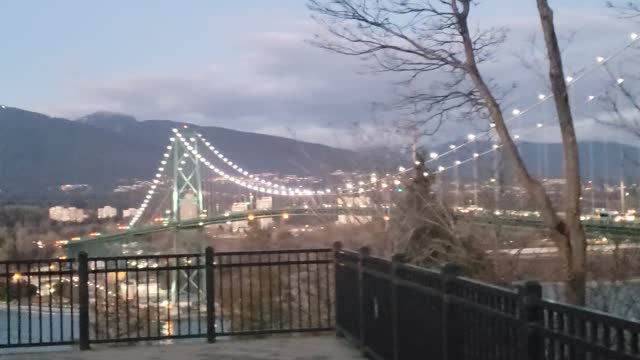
[38, 303]
[394, 310]
[155, 297]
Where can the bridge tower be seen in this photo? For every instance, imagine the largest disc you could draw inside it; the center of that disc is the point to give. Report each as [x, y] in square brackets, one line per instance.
[186, 179]
[187, 201]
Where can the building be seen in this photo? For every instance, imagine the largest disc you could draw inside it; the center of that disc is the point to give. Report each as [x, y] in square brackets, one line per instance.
[354, 201]
[188, 207]
[264, 203]
[70, 214]
[107, 212]
[239, 207]
[239, 225]
[344, 219]
[130, 212]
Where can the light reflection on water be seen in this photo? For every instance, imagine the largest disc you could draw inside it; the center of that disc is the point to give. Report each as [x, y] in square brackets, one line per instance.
[61, 326]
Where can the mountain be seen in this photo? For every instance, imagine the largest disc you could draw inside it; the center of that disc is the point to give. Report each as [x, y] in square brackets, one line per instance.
[39, 153]
[109, 120]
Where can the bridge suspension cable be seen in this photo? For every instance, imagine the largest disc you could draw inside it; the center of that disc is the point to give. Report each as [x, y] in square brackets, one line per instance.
[152, 188]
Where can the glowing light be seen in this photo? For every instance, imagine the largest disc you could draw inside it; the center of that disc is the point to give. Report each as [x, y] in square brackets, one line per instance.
[475, 155]
[251, 217]
[401, 169]
[600, 59]
[516, 112]
[16, 277]
[386, 218]
[539, 125]
[516, 137]
[417, 162]
[620, 81]
[590, 98]
[569, 79]
[433, 155]
[396, 182]
[471, 137]
[440, 168]
[425, 174]
[458, 162]
[541, 96]
[633, 36]
[285, 215]
[452, 146]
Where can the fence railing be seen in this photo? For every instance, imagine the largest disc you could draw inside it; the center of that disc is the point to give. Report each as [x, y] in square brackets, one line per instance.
[394, 310]
[155, 297]
[38, 303]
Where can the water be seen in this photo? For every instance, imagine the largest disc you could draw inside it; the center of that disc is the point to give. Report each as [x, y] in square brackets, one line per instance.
[617, 298]
[46, 327]
[55, 327]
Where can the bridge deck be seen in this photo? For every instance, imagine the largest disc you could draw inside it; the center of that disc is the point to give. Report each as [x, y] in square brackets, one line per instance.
[323, 347]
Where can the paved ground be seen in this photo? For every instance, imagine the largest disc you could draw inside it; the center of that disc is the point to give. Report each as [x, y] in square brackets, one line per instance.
[325, 347]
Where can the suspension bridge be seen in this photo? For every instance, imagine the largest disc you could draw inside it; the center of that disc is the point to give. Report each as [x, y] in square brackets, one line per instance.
[181, 192]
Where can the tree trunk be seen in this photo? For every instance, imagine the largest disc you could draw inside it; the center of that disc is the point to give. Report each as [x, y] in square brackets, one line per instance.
[575, 252]
[567, 234]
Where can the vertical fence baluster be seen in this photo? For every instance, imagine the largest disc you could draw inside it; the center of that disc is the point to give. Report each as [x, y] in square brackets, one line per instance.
[83, 299]
[396, 261]
[29, 270]
[531, 316]
[364, 253]
[449, 331]
[199, 282]
[337, 247]
[211, 308]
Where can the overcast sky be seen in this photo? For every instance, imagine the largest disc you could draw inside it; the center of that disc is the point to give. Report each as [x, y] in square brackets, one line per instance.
[246, 64]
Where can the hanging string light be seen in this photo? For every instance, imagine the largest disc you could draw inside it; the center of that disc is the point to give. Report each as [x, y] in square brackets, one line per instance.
[152, 189]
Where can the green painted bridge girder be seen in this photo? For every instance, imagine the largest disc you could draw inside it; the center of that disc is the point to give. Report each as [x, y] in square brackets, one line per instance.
[132, 235]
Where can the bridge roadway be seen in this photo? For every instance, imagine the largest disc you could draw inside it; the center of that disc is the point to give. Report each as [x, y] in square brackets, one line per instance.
[74, 247]
[593, 227]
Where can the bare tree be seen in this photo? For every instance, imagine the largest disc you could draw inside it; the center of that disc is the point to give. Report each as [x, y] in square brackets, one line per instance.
[626, 9]
[419, 38]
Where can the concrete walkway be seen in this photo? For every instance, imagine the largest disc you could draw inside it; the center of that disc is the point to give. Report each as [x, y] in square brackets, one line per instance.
[323, 347]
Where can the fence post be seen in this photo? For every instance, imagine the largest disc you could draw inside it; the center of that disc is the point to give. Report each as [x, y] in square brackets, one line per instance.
[449, 273]
[83, 299]
[531, 344]
[210, 288]
[364, 252]
[396, 260]
[337, 246]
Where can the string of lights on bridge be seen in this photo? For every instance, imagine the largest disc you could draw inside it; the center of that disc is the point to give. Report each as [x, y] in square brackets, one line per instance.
[156, 180]
[255, 183]
[516, 113]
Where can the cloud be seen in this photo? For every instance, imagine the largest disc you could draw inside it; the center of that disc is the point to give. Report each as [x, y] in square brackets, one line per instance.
[281, 85]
